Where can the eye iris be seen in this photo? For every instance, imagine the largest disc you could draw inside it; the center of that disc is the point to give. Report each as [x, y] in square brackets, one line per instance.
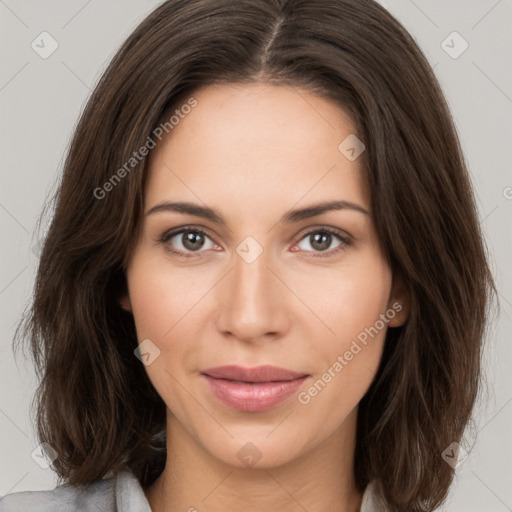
[193, 240]
[320, 241]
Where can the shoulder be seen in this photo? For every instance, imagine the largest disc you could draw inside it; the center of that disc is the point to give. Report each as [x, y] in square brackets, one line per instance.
[104, 495]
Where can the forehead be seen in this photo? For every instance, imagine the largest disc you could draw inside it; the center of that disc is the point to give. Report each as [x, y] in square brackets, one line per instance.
[257, 145]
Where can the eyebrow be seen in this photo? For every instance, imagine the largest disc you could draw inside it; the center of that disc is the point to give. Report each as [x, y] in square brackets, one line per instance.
[290, 217]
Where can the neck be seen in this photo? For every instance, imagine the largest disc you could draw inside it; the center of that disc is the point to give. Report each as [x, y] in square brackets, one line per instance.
[317, 481]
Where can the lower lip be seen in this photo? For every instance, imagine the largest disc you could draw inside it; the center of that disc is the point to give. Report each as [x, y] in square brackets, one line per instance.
[252, 397]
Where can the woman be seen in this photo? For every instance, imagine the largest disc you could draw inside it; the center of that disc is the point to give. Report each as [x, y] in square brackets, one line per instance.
[313, 342]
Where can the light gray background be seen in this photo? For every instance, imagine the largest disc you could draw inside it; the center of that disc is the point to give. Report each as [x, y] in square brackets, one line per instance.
[41, 99]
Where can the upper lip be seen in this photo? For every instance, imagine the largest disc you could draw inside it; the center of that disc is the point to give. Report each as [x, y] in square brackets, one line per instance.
[266, 373]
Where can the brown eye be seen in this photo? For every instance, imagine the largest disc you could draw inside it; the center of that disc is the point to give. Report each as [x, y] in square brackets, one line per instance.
[193, 240]
[322, 240]
[186, 241]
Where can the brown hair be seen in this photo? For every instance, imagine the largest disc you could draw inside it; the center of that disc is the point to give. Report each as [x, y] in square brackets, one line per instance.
[96, 405]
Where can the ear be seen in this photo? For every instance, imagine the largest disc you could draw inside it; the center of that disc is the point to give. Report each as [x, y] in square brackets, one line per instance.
[399, 301]
[124, 301]
[123, 294]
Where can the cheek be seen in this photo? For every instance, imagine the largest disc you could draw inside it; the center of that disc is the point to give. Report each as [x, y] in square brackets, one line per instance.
[163, 309]
[346, 299]
[363, 297]
[351, 303]
[168, 309]
[161, 299]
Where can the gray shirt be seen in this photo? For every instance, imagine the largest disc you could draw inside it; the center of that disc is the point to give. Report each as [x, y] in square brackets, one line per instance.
[122, 493]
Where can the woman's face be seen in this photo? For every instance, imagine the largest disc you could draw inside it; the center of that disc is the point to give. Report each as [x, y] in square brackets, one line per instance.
[309, 292]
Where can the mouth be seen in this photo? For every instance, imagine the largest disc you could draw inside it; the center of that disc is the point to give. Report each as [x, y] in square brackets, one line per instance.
[252, 389]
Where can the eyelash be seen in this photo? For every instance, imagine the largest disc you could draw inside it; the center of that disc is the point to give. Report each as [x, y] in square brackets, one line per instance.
[345, 241]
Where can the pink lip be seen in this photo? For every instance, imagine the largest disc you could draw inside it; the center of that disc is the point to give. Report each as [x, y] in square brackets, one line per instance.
[253, 389]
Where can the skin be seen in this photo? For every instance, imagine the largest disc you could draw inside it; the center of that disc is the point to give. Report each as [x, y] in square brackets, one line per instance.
[252, 153]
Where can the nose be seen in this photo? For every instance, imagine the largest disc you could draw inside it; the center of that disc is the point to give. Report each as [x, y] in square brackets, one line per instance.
[252, 301]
